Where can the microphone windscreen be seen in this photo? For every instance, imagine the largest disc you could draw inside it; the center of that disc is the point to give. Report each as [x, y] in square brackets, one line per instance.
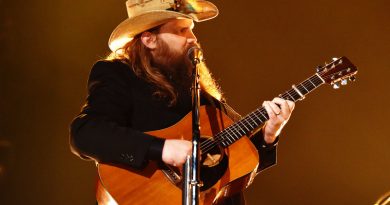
[195, 54]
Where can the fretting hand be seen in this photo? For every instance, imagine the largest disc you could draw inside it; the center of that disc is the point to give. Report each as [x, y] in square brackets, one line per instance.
[279, 111]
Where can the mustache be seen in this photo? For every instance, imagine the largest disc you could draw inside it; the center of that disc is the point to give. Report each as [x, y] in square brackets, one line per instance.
[197, 44]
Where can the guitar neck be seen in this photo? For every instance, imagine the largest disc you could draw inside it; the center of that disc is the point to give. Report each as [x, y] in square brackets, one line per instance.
[259, 116]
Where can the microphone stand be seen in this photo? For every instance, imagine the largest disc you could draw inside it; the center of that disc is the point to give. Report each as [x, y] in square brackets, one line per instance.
[191, 184]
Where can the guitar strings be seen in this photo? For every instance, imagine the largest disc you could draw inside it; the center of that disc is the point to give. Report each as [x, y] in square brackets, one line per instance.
[232, 130]
[209, 143]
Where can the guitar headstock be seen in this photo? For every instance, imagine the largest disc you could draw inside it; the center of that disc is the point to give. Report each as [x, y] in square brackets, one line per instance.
[337, 72]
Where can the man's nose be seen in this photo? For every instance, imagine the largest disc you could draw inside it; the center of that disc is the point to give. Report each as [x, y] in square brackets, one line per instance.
[191, 38]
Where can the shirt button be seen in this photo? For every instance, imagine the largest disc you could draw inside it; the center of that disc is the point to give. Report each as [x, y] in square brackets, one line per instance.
[131, 158]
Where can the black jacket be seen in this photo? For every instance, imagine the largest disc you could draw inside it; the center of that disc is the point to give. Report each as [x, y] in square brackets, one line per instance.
[119, 108]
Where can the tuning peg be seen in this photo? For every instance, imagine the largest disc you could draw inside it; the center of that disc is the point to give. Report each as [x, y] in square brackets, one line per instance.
[319, 69]
[344, 82]
[336, 86]
[334, 59]
[352, 78]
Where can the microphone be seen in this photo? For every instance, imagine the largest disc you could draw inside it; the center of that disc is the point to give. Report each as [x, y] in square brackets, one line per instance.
[195, 54]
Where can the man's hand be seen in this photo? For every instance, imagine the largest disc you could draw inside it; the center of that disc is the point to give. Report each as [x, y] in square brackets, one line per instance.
[279, 111]
[175, 152]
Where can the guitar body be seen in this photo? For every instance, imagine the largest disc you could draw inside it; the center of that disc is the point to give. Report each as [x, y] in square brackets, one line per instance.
[235, 171]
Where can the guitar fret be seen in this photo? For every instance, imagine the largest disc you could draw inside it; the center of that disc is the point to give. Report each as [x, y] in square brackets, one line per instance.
[307, 91]
[224, 144]
[245, 123]
[286, 96]
[293, 94]
[309, 85]
[290, 96]
[244, 126]
[302, 91]
[236, 131]
[250, 117]
[228, 141]
[229, 138]
[249, 123]
[296, 94]
[257, 118]
[234, 136]
[312, 83]
[240, 129]
[318, 79]
[264, 114]
[221, 138]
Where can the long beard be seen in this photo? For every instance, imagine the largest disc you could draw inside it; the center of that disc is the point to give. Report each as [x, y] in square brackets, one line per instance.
[173, 64]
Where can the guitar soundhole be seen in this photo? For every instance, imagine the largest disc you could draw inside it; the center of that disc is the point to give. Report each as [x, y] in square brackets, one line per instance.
[213, 165]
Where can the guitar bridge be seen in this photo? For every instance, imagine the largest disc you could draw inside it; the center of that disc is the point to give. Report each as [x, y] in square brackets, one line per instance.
[172, 174]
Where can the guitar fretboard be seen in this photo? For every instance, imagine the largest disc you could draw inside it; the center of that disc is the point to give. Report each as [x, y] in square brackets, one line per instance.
[259, 116]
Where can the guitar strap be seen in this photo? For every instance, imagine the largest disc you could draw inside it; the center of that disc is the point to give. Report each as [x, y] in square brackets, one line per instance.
[222, 105]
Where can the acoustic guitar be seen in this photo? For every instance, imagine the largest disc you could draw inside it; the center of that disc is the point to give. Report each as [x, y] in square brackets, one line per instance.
[229, 160]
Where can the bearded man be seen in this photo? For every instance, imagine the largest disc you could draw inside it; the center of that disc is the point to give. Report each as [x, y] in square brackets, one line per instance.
[145, 85]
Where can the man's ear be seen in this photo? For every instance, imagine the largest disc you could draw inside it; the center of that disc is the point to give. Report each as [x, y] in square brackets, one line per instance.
[149, 39]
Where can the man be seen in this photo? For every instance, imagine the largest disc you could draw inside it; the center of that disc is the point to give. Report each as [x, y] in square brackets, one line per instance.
[145, 85]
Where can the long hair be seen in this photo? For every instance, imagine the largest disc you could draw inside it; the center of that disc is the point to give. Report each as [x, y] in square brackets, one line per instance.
[139, 58]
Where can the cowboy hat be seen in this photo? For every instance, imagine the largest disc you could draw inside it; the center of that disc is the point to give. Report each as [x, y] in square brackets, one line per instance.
[146, 14]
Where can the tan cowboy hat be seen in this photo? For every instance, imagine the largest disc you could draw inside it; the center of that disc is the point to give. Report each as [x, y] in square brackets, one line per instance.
[146, 14]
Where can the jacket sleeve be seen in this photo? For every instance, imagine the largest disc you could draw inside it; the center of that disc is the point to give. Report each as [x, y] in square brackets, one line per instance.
[267, 152]
[101, 131]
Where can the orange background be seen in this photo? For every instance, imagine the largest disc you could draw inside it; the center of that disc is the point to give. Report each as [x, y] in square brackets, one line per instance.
[334, 150]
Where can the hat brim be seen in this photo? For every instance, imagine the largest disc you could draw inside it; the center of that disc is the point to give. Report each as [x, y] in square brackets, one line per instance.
[130, 27]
